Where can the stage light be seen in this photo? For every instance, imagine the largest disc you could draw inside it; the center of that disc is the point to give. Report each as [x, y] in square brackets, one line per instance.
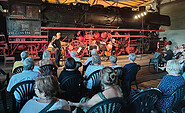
[142, 14]
[136, 17]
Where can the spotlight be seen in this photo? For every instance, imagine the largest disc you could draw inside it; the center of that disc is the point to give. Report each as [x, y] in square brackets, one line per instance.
[139, 16]
[136, 17]
[142, 14]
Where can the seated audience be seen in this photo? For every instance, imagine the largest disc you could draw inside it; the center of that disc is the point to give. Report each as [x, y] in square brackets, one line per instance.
[110, 90]
[26, 74]
[73, 55]
[93, 52]
[131, 58]
[23, 55]
[181, 48]
[169, 83]
[69, 69]
[175, 50]
[46, 88]
[126, 76]
[92, 68]
[181, 60]
[157, 53]
[168, 54]
[46, 59]
[113, 60]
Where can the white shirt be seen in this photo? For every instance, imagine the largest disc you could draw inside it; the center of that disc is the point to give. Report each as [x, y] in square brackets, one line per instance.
[33, 106]
[20, 77]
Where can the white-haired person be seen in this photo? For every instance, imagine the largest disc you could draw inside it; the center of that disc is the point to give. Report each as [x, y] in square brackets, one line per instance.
[131, 58]
[93, 52]
[73, 55]
[92, 68]
[168, 54]
[46, 59]
[169, 83]
[113, 60]
[126, 76]
[23, 55]
[46, 89]
[110, 90]
[26, 74]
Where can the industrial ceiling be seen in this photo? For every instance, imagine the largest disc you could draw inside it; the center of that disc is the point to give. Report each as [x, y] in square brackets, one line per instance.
[105, 3]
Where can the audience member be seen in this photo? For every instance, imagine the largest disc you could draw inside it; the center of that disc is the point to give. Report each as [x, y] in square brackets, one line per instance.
[168, 54]
[131, 58]
[93, 52]
[26, 74]
[110, 90]
[69, 69]
[46, 59]
[113, 60]
[92, 68]
[126, 76]
[175, 50]
[169, 83]
[182, 62]
[73, 55]
[182, 47]
[23, 55]
[46, 88]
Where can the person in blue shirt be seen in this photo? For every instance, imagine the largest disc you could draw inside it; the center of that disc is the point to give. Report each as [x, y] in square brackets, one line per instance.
[169, 83]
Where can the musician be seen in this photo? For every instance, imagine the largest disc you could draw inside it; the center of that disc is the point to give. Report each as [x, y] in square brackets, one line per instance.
[93, 45]
[57, 45]
[113, 46]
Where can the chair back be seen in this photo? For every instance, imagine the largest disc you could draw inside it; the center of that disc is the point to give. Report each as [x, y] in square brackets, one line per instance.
[85, 66]
[3, 85]
[113, 105]
[25, 90]
[119, 71]
[59, 111]
[178, 95]
[48, 67]
[144, 101]
[18, 70]
[96, 81]
[71, 83]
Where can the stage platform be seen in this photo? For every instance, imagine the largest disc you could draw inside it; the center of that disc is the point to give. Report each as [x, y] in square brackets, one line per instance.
[145, 78]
